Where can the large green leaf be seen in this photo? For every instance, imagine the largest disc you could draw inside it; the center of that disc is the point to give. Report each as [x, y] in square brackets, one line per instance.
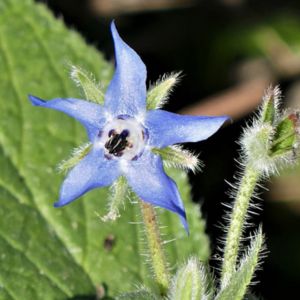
[48, 253]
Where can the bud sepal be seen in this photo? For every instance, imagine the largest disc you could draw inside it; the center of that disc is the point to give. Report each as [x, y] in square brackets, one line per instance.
[271, 142]
[190, 282]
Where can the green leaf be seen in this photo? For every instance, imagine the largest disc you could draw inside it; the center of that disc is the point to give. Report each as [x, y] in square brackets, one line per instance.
[50, 253]
[239, 282]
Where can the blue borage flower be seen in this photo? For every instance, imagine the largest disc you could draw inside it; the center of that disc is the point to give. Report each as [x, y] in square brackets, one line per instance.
[122, 133]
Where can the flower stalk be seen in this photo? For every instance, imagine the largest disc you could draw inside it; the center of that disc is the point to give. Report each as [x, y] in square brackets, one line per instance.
[238, 216]
[268, 145]
[156, 252]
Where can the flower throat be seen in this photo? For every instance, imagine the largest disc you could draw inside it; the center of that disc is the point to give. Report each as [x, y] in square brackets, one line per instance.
[117, 142]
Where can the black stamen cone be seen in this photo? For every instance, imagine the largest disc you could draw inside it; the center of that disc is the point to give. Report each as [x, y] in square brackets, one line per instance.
[117, 143]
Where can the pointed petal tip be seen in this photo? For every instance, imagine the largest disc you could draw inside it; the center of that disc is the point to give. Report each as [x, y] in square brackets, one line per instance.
[186, 227]
[226, 118]
[126, 93]
[61, 203]
[114, 31]
[35, 100]
[221, 119]
[182, 216]
[113, 25]
[57, 204]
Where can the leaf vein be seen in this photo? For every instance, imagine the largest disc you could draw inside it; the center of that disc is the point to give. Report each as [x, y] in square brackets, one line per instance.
[45, 49]
[15, 87]
[12, 244]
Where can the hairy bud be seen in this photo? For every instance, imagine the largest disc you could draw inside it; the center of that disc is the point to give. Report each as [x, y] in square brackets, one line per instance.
[271, 142]
[189, 282]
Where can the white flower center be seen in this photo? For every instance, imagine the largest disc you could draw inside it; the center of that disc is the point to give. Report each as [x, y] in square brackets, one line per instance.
[123, 137]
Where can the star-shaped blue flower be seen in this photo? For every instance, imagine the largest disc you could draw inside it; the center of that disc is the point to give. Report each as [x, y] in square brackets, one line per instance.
[122, 133]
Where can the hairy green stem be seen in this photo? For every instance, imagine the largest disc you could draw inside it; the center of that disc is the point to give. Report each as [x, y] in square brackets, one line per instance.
[237, 221]
[155, 248]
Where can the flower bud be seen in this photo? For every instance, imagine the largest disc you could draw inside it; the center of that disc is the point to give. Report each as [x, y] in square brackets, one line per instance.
[189, 282]
[270, 143]
[286, 135]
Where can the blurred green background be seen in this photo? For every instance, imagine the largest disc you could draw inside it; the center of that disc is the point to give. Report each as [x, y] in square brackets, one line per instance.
[229, 52]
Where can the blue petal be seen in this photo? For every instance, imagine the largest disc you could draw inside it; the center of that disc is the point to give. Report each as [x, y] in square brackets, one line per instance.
[93, 171]
[167, 128]
[149, 181]
[126, 93]
[89, 114]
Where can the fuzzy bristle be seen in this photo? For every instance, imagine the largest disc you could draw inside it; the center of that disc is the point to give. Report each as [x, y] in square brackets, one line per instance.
[92, 91]
[76, 156]
[159, 92]
[190, 282]
[117, 197]
[177, 157]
